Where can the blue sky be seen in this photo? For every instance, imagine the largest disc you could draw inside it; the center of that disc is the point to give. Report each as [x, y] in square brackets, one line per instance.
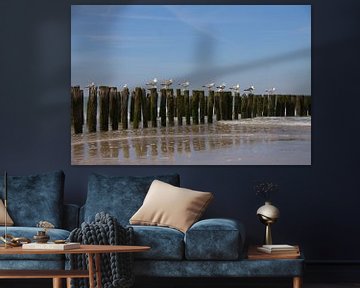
[262, 45]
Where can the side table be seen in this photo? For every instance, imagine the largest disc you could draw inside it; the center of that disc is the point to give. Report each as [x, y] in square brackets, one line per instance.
[289, 259]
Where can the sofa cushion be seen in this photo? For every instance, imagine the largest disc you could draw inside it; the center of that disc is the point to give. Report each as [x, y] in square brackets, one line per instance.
[169, 206]
[29, 232]
[9, 221]
[35, 198]
[214, 239]
[120, 196]
[165, 243]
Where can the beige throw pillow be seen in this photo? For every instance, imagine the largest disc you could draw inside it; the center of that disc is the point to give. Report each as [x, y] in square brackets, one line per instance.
[9, 221]
[170, 206]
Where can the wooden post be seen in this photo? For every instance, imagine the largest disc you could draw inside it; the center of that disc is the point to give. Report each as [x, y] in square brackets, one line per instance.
[230, 105]
[118, 95]
[132, 105]
[223, 106]
[77, 109]
[250, 103]
[260, 106]
[300, 110]
[210, 106]
[187, 107]
[180, 106]
[163, 107]
[153, 107]
[272, 105]
[277, 106]
[202, 106]
[171, 102]
[144, 108]
[114, 106]
[254, 108]
[217, 105]
[124, 108]
[307, 102]
[206, 104]
[237, 105]
[244, 101]
[195, 107]
[137, 107]
[104, 108]
[266, 106]
[92, 109]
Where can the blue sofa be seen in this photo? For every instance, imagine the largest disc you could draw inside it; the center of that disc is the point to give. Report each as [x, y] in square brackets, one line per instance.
[210, 248]
[32, 199]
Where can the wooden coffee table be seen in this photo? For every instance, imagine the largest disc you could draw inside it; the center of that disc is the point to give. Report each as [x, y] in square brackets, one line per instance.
[93, 251]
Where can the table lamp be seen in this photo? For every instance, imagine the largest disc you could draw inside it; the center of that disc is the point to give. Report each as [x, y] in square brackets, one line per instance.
[268, 214]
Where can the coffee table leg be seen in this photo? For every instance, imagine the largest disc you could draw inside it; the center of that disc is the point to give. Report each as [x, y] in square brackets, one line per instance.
[98, 270]
[91, 270]
[68, 282]
[297, 282]
[57, 283]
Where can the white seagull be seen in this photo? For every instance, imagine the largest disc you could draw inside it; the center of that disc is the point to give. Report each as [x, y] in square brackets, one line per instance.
[152, 83]
[221, 87]
[209, 86]
[250, 89]
[184, 84]
[125, 86]
[236, 87]
[167, 83]
[90, 85]
[270, 91]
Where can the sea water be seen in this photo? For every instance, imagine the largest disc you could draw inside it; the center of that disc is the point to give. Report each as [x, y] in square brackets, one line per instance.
[253, 141]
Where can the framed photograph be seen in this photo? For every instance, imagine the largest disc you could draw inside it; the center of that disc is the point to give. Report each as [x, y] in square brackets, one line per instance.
[191, 85]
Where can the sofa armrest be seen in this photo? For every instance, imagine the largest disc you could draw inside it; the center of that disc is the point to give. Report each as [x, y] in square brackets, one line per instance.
[71, 216]
[215, 239]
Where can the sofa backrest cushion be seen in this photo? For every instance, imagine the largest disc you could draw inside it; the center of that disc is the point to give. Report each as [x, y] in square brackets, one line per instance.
[35, 198]
[120, 196]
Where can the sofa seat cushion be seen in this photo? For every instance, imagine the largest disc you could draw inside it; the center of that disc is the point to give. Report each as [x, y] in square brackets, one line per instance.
[166, 243]
[29, 232]
[214, 239]
[35, 198]
[120, 196]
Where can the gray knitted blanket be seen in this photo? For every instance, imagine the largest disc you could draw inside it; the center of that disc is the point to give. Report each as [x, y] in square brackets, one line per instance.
[116, 268]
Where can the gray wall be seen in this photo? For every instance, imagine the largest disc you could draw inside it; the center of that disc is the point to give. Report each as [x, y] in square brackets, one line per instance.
[318, 203]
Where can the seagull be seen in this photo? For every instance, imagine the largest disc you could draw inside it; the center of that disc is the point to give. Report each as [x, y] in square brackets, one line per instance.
[125, 86]
[270, 91]
[167, 83]
[209, 86]
[92, 85]
[250, 89]
[221, 87]
[184, 84]
[152, 83]
[236, 87]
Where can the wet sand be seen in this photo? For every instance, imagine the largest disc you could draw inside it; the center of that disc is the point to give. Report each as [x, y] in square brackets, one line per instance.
[257, 141]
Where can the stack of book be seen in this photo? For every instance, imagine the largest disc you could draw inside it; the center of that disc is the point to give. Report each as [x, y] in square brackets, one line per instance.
[51, 246]
[274, 252]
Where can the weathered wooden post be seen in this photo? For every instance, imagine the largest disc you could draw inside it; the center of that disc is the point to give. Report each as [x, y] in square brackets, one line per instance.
[278, 106]
[202, 106]
[187, 107]
[307, 103]
[236, 105]
[124, 108]
[266, 106]
[217, 105]
[260, 104]
[137, 108]
[244, 106]
[171, 102]
[114, 106]
[92, 109]
[250, 104]
[104, 108]
[210, 106]
[206, 104]
[272, 102]
[254, 108]
[163, 107]
[77, 109]
[153, 107]
[195, 107]
[230, 105]
[144, 108]
[132, 105]
[118, 95]
[223, 106]
[180, 106]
